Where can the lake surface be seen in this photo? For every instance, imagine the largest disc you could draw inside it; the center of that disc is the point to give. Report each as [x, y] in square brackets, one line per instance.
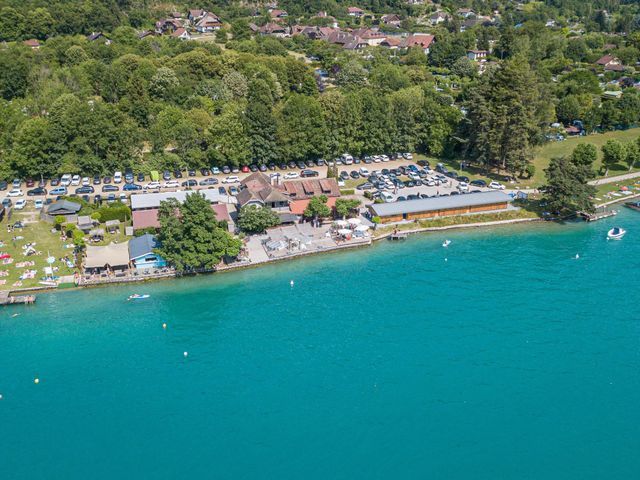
[499, 357]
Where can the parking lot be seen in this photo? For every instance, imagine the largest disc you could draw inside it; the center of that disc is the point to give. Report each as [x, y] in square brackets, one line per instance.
[392, 179]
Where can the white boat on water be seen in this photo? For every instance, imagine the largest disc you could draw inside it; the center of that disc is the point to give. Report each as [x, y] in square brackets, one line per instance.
[616, 233]
[446, 243]
[137, 296]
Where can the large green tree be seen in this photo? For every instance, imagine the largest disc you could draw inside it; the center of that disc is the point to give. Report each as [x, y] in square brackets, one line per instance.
[190, 237]
[255, 219]
[260, 123]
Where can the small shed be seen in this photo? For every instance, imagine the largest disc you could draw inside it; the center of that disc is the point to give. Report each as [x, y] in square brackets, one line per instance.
[96, 234]
[85, 223]
[112, 257]
[141, 252]
[112, 225]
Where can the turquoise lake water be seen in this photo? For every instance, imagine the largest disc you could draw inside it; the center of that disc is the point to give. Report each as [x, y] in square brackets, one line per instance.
[511, 359]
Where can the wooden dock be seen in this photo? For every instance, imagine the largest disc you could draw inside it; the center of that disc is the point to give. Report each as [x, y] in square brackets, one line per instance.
[7, 299]
[593, 217]
[398, 236]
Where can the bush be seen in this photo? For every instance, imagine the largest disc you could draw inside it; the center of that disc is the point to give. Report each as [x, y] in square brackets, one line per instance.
[143, 231]
[376, 219]
[96, 216]
[59, 221]
[116, 211]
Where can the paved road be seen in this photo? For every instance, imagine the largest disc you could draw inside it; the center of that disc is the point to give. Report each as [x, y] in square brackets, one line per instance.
[617, 178]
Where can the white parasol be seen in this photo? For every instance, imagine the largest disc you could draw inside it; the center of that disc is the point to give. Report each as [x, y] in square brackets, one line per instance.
[341, 223]
[354, 221]
[362, 228]
[344, 231]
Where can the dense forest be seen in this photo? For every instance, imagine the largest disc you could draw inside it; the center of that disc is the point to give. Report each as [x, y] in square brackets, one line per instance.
[93, 105]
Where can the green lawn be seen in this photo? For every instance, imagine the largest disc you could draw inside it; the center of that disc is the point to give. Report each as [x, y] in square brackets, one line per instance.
[46, 243]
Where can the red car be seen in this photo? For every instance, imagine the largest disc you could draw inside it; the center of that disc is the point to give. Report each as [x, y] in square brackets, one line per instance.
[30, 182]
[245, 169]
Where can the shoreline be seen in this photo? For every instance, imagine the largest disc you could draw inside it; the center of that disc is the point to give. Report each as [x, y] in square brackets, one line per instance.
[371, 241]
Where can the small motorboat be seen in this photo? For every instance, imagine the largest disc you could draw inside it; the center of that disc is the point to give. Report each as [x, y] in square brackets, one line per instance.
[446, 243]
[616, 233]
[633, 205]
[137, 296]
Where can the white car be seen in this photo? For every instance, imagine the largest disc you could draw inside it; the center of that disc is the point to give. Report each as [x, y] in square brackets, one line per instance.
[20, 204]
[231, 179]
[496, 186]
[86, 182]
[215, 171]
[152, 186]
[65, 180]
[117, 177]
[75, 180]
[384, 158]
[407, 156]
[16, 192]
[171, 184]
[413, 176]
[290, 175]
[463, 186]
[39, 204]
[377, 159]
[364, 171]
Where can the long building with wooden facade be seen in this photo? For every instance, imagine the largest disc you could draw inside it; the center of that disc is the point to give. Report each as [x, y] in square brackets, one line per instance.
[440, 206]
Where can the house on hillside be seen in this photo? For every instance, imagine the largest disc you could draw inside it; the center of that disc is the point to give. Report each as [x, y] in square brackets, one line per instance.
[195, 15]
[355, 12]
[141, 254]
[439, 17]
[392, 43]
[182, 34]
[391, 20]
[98, 37]
[477, 55]
[278, 14]
[421, 40]
[208, 23]
[611, 63]
[32, 44]
[466, 12]
[168, 26]
[274, 29]
[370, 36]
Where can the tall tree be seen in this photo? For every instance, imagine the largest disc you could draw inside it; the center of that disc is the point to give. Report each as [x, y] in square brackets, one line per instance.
[190, 237]
[260, 124]
[613, 153]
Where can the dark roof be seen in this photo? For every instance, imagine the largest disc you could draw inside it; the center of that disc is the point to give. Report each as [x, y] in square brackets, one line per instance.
[439, 203]
[63, 207]
[142, 245]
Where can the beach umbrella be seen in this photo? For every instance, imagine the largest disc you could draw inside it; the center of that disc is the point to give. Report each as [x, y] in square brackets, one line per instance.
[354, 221]
[362, 228]
[51, 259]
[341, 223]
[624, 189]
[344, 231]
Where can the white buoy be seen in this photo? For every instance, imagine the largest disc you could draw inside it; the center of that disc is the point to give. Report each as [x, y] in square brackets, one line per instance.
[577, 256]
[446, 260]
[186, 354]
[36, 381]
[164, 325]
[291, 283]
[0, 396]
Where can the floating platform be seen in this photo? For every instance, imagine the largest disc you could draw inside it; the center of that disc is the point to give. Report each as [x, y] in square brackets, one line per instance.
[398, 236]
[593, 217]
[6, 299]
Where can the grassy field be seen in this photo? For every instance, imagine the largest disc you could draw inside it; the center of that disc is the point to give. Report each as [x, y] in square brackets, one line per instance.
[46, 243]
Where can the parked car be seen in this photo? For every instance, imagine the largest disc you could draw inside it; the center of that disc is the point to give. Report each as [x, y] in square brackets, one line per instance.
[233, 190]
[320, 162]
[463, 187]
[262, 167]
[107, 188]
[171, 184]
[344, 175]
[205, 172]
[75, 180]
[58, 191]
[354, 174]
[222, 190]
[85, 189]
[208, 181]
[226, 170]
[65, 180]
[38, 204]
[272, 166]
[478, 183]
[407, 156]
[15, 192]
[365, 186]
[191, 172]
[309, 173]
[253, 168]
[245, 169]
[20, 204]
[16, 183]
[35, 192]
[128, 177]
[97, 180]
[231, 179]
[291, 175]
[177, 174]
[140, 177]
[7, 202]
[106, 180]
[364, 171]
[215, 171]
[130, 187]
[190, 183]
[496, 185]
[111, 198]
[29, 182]
[3, 185]
[152, 186]
[166, 175]
[117, 177]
